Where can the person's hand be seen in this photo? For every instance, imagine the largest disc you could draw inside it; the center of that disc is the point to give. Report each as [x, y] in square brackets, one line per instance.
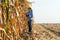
[30, 16]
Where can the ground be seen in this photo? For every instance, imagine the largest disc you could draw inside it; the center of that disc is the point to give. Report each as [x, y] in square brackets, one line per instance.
[46, 31]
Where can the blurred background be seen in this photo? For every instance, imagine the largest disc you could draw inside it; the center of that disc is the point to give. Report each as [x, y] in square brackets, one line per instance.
[46, 11]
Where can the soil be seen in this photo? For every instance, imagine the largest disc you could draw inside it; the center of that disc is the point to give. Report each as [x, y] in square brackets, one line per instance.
[46, 31]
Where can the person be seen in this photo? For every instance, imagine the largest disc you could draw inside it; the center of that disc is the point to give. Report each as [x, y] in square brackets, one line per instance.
[29, 15]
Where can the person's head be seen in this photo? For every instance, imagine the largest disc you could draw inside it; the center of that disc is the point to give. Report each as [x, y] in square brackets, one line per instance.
[29, 9]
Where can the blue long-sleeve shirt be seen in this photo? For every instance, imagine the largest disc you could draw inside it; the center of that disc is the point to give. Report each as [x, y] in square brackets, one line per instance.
[30, 15]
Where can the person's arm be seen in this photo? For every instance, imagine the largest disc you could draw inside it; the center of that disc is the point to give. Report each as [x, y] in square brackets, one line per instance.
[31, 14]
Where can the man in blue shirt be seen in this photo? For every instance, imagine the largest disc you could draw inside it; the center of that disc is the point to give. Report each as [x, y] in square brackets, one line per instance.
[29, 15]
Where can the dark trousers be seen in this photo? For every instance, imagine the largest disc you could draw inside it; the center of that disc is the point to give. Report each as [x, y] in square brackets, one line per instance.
[30, 25]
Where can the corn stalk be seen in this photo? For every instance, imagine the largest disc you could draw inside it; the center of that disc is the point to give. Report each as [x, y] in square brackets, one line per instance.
[13, 18]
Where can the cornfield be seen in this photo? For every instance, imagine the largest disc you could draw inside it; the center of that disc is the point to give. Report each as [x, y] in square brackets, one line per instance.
[13, 20]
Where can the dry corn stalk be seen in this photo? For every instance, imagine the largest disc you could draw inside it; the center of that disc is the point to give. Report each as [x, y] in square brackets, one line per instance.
[13, 18]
